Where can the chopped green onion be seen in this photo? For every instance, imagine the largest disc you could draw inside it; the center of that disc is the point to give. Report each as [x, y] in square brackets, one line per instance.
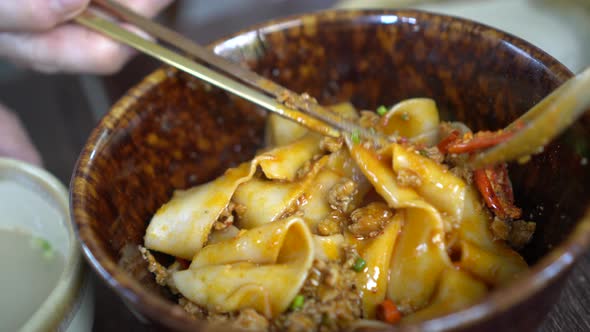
[45, 247]
[359, 264]
[381, 110]
[355, 136]
[405, 116]
[423, 153]
[297, 302]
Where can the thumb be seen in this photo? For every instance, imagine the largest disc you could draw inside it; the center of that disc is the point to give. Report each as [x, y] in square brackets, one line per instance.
[36, 15]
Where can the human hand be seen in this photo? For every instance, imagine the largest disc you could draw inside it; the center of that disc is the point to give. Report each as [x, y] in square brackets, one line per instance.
[14, 141]
[35, 33]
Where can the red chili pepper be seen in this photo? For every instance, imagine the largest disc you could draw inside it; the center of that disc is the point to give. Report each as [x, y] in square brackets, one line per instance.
[482, 140]
[503, 188]
[485, 188]
[387, 312]
[494, 185]
[443, 145]
[501, 178]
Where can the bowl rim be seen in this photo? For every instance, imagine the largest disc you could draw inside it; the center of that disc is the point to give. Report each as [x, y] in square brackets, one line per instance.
[557, 263]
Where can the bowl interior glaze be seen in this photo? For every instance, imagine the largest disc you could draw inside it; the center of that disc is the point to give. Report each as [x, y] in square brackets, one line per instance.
[172, 132]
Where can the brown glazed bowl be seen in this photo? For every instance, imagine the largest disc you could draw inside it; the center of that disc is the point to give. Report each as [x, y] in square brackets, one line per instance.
[172, 132]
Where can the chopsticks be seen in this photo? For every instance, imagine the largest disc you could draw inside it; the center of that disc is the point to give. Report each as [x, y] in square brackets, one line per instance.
[232, 77]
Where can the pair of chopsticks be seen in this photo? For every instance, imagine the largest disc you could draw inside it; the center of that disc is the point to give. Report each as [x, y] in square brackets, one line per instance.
[229, 76]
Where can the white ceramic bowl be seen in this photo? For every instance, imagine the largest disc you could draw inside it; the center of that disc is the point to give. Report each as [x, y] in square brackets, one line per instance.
[34, 201]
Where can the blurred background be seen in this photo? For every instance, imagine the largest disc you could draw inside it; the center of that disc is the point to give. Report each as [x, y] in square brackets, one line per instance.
[59, 111]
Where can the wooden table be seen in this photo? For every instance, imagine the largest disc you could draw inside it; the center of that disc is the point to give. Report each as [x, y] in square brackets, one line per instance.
[59, 120]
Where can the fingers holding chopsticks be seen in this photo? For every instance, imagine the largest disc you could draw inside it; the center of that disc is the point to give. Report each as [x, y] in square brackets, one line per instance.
[37, 15]
[33, 34]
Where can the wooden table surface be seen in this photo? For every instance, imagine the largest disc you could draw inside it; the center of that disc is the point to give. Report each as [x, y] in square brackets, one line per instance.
[59, 120]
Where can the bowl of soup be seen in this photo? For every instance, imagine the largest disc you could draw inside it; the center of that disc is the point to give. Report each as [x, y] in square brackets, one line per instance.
[45, 283]
[203, 212]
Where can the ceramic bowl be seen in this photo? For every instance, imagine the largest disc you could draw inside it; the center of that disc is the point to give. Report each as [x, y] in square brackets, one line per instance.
[173, 132]
[26, 193]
